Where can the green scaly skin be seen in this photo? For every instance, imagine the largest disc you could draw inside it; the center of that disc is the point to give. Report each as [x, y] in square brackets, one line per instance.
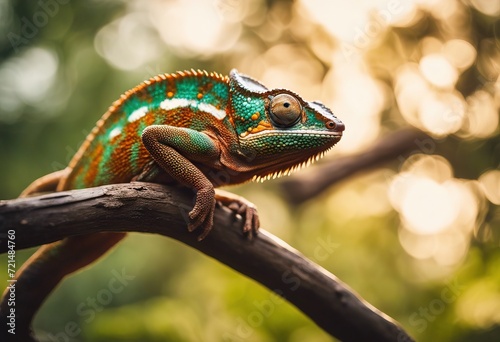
[202, 130]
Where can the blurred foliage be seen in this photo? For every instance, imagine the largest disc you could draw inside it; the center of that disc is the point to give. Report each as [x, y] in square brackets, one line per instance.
[419, 238]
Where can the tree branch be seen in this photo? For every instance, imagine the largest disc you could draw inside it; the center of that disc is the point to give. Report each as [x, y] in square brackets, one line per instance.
[394, 145]
[154, 208]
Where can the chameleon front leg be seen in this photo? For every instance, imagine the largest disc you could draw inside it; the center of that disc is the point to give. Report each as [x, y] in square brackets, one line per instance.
[175, 149]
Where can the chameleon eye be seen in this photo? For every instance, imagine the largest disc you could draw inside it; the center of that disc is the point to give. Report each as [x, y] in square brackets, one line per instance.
[285, 110]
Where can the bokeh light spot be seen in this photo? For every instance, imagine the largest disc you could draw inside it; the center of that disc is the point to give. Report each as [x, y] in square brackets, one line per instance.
[205, 31]
[428, 207]
[460, 53]
[490, 183]
[488, 7]
[442, 113]
[26, 79]
[482, 117]
[128, 42]
[438, 70]
[358, 99]
[480, 304]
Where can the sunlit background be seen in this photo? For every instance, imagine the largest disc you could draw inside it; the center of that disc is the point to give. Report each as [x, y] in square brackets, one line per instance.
[418, 237]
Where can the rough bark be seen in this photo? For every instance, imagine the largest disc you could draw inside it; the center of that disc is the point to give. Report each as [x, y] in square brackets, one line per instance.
[152, 208]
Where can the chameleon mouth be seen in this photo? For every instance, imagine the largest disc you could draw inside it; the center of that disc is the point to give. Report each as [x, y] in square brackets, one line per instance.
[298, 133]
[292, 158]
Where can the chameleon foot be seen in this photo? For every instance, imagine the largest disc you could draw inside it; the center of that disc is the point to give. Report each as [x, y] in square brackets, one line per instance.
[243, 207]
[202, 215]
[249, 212]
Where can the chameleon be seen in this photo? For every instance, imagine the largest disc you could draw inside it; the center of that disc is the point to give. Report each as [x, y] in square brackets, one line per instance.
[185, 128]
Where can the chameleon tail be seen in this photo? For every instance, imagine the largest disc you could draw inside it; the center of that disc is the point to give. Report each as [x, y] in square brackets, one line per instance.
[46, 268]
[49, 265]
[47, 183]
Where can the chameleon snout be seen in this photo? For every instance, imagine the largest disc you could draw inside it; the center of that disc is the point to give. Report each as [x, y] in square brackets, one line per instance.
[335, 126]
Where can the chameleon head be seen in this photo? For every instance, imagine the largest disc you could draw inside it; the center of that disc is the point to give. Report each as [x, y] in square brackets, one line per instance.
[277, 129]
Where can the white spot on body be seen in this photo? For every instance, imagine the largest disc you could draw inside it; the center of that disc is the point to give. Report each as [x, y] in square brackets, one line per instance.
[137, 114]
[218, 113]
[114, 133]
[169, 104]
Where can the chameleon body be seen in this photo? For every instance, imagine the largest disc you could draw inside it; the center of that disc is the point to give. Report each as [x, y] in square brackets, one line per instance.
[201, 130]
[213, 113]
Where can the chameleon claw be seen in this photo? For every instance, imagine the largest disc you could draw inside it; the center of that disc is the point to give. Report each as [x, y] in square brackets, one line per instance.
[252, 222]
[203, 221]
[202, 214]
[205, 233]
[191, 227]
[235, 207]
[249, 213]
[242, 207]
